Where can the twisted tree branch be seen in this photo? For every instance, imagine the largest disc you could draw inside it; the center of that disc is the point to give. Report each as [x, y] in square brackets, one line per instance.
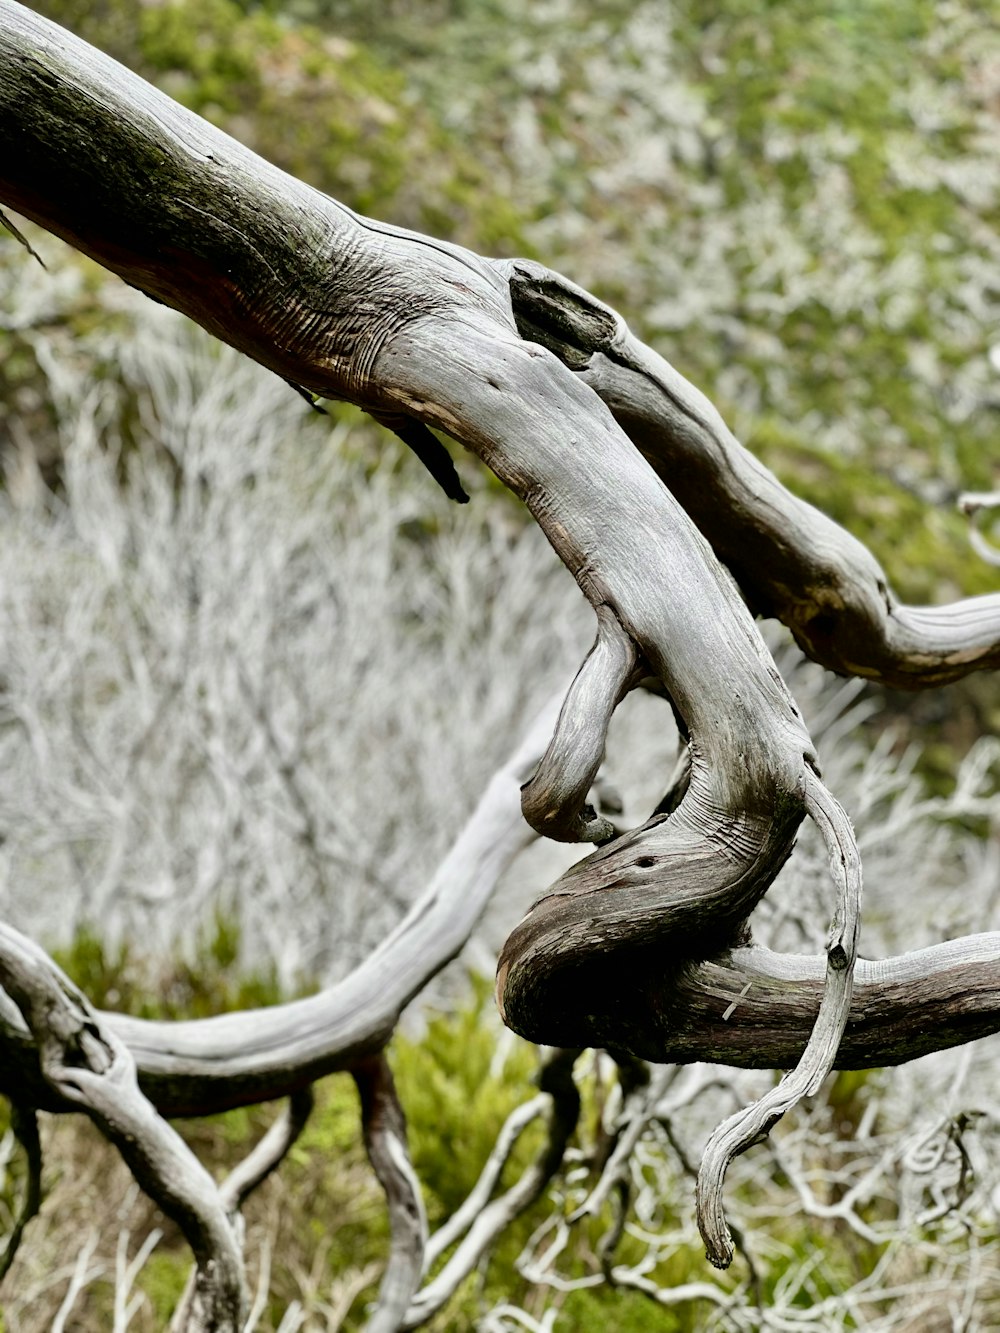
[791, 560]
[92, 1070]
[647, 499]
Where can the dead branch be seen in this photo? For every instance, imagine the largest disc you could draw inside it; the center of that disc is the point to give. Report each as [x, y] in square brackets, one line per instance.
[556, 1080]
[554, 802]
[196, 1068]
[384, 1128]
[972, 504]
[92, 1070]
[450, 1232]
[791, 560]
[269, 1153]
[522, 368]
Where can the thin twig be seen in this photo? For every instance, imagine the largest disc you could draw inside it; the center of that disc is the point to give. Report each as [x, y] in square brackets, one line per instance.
[557, 1080]
[465, 1215]
[735, 1135]
[269, 1152]
[24, 1123]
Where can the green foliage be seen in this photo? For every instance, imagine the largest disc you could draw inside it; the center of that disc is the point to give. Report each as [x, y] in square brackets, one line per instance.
[325, 109]
[213, 980]
[458, 1094]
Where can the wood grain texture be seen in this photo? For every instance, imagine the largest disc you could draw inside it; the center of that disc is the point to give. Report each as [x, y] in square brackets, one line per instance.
[675, 535]
[791, 560]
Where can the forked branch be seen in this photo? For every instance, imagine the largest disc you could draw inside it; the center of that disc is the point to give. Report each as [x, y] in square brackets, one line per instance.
[791, 560]
[670, 528]
[92, 1070]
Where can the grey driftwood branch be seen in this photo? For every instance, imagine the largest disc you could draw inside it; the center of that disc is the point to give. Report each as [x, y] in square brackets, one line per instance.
[269, 1153]
[972, 504]
[384, 1127]
[210, 1065]
[790, 559]
[585, 424]
[92, 1070]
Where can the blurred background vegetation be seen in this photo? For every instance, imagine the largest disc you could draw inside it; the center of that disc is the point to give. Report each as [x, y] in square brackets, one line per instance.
[796, 204]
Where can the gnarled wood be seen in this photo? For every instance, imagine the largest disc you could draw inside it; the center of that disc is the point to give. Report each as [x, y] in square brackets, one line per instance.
[791, 560]
[92, 1070]
[546, 385]
[554, 802]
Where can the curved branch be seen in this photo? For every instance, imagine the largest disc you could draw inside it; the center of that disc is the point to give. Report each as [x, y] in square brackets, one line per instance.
[464, 1217]
[384, 1126]
[409, 328]
[754, 1008]
[265, 1157]
[972, 504]
[209, 1065]
[269, 1153]
[568, 974]
[791, 560]
[556, 1080]
[735, 1135]
[93, 1071]
[554, 802]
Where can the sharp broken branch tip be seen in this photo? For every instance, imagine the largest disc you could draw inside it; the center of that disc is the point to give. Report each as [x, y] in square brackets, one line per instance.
[310, 398]
[21, 239]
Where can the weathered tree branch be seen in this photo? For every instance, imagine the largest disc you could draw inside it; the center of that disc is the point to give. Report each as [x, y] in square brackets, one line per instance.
[901, 1008]
[265, 1157]
[384, 1126]
[269, 1153]
[452, 1231]
[745, 1128]
[92, 1070]
[972, 504]
[522, 368]
[209, 1065]
[554, 802]
[791, 560]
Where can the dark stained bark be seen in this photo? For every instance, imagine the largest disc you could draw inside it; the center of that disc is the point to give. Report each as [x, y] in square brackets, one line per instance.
[384, 1127]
